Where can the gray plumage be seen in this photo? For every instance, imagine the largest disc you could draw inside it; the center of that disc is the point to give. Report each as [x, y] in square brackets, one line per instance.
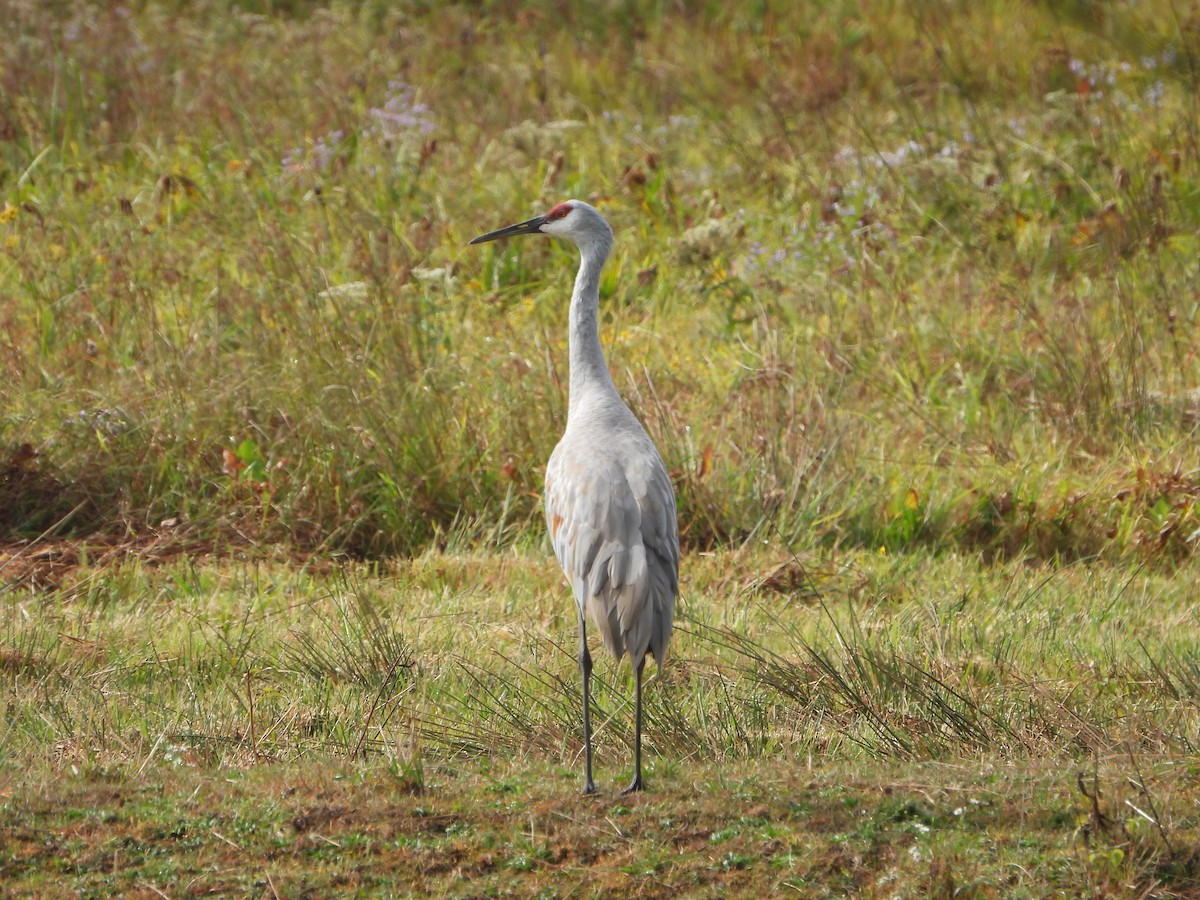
[610, 507]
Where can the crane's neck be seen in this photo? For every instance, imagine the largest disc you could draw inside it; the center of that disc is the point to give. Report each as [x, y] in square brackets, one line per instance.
[589, 371]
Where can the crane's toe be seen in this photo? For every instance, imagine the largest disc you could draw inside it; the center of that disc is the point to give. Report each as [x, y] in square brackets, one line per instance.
[635, 786]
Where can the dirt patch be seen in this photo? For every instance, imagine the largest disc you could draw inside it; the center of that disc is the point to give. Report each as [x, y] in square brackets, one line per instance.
[50, 563]
[47, 563]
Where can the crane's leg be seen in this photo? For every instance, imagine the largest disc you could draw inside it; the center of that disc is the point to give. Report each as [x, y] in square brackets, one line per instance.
[637, 785]
[585, 669]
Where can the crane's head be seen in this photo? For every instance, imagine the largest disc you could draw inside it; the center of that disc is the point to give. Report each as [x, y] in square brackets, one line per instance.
[573, 219]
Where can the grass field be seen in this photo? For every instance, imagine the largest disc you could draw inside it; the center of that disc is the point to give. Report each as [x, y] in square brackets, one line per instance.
[907, 294]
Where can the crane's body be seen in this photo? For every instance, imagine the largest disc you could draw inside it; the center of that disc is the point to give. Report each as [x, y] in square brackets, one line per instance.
[610, 507]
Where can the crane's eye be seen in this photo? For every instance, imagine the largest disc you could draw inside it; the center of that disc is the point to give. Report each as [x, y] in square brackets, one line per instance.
[559, 212]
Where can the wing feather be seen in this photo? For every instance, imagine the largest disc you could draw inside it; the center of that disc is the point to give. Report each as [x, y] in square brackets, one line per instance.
[613, 528]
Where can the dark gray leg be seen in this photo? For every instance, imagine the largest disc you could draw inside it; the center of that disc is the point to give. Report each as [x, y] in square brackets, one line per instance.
[585, 669]
[637, 785]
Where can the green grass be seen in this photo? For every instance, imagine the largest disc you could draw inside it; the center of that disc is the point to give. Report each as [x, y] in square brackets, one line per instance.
[889, 723]
[906, 294]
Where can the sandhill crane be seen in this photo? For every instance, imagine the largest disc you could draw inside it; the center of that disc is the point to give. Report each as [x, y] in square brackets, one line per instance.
[610, 507]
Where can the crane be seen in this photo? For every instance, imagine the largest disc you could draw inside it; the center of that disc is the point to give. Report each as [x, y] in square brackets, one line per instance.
[610, 507]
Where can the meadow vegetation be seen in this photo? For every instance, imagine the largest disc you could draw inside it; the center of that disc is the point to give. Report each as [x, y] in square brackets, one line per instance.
[907, 294]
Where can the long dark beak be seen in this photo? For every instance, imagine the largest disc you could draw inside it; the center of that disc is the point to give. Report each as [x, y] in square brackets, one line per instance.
[530, 227]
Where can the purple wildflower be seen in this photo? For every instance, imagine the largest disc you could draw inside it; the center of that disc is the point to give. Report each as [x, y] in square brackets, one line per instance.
[401, 114]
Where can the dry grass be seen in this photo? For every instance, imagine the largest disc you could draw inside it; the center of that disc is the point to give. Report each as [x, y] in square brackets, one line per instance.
[882, 278]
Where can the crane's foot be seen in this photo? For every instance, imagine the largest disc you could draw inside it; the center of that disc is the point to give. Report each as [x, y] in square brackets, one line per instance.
[635, 786]
[589, 789]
